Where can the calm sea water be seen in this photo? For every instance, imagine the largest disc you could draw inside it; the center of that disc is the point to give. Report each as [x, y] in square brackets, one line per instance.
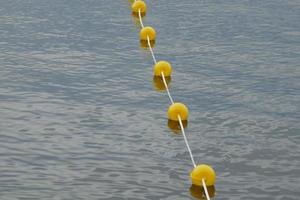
[80, 119]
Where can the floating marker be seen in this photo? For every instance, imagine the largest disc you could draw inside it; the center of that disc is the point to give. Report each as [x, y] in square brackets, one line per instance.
[147, 32]
[178, 109]
[139, 6]
[162, 66]
[203, 172]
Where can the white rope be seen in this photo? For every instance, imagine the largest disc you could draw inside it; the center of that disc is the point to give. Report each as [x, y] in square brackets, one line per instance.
[151, 50]
[166, 86]
[186, 142]
[140, 17]
[171, 99]
[192, 157]
[205, 189]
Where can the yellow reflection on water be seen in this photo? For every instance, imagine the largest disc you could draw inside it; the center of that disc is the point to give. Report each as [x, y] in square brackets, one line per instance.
[136, 15]
[198, 192]
[175, 126]
[158, 83]
[144, 44]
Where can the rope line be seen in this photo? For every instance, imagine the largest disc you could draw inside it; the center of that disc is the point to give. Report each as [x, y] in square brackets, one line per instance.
[151, 50]
[167, 88]
[141, 21]
[170, 97]
[186, 142]
[172, 101]
[205, 189]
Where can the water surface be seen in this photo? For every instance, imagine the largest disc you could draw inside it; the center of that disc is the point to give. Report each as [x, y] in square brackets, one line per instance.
[80, 119]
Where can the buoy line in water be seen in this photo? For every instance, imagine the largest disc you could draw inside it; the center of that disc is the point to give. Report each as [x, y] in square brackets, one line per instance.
[201, 175]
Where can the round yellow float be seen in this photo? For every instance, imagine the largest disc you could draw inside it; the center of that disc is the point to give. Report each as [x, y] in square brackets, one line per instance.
[178, 109]
[203, 172]
[139, 5]
[162, 66]
[147, 31]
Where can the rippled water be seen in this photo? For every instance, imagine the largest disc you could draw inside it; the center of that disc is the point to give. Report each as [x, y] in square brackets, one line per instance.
[80, 119]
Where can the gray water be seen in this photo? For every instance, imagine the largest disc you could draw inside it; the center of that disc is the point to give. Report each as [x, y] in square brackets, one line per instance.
[80, 118]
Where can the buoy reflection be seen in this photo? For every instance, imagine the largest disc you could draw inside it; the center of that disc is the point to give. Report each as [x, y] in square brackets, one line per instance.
[158, 83]
[136, 14]
[175, 126]
[198, 192]
[144, 44]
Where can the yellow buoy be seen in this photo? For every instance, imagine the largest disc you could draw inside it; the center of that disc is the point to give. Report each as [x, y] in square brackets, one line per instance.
[203, 172]
[139, 5]
[147, 31]
[178, 109]
[162, 66]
